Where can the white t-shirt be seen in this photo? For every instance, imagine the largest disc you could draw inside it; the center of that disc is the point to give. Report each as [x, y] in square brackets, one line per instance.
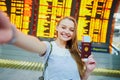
[61, 65]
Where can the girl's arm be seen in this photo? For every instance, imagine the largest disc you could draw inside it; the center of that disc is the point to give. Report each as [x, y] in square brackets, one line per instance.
[86, 76]
[90, 66]
[27, 42]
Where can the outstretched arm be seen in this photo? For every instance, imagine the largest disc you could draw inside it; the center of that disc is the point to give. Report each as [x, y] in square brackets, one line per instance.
[22, 40]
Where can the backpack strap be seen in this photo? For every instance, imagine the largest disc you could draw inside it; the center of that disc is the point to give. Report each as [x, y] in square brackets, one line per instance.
[46, 63]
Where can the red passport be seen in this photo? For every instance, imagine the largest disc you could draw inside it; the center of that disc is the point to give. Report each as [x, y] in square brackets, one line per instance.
[86, 49]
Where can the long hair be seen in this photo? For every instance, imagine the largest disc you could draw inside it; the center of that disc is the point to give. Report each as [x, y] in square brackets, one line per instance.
[72, 45]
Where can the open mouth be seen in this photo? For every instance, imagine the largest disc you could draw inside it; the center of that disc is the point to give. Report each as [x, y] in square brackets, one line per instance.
[65, 35]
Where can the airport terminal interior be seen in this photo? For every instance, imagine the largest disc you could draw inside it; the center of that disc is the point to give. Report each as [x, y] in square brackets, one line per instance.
[99, 19]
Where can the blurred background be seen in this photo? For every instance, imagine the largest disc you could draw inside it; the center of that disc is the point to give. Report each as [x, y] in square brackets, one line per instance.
[99, 19]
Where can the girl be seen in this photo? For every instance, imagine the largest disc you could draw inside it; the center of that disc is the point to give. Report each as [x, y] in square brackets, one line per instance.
[64, 62]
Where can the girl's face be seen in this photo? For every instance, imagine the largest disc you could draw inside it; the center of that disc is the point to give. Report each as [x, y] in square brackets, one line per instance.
[65, 30]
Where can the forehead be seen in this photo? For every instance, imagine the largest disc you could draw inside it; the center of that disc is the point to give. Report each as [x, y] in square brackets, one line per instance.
[67, 22]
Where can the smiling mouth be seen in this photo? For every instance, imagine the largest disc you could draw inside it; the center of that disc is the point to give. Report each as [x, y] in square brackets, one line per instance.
[65, 35]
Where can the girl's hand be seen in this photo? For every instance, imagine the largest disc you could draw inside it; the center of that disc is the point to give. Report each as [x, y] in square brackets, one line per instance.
[90, 64]
[5, 28]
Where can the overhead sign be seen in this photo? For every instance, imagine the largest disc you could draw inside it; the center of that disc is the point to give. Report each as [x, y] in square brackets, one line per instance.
[50, 11]
[93, 19]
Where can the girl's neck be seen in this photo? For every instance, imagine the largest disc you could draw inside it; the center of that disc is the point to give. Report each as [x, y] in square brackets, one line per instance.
[60, 43]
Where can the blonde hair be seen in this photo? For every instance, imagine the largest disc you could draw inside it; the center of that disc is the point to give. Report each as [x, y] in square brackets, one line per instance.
[72, 45]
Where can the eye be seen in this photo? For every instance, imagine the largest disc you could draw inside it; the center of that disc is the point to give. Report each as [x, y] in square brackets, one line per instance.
[72, 30]
[63, 27]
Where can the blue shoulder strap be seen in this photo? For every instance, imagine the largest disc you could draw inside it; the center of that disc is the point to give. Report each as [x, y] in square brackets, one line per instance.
[46, 63]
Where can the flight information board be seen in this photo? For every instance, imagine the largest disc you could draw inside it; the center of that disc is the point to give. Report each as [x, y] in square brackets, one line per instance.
[50, 11]
[93, 16]
[93, 19]
[3, 5]
[20, 13]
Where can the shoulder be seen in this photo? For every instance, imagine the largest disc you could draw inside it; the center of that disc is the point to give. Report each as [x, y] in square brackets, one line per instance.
[48, 43]
[49, 46]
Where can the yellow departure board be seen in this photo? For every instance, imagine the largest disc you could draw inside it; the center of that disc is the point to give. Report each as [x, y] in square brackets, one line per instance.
[26, 15]
[93, 19]
[20, 13]
[93, 16]
[50, 11]
[3, 5]
[16, 15]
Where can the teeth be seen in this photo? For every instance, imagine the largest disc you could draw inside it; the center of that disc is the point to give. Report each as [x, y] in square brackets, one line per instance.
[65, 36]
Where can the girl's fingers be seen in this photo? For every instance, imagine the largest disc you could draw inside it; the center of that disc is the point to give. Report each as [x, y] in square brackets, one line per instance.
[5, 28]
[4, 20]
[91, 60]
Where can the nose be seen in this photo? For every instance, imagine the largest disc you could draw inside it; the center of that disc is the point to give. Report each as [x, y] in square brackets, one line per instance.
[67, 31]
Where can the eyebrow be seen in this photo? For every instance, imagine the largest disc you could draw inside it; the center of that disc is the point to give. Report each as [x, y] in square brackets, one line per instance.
[63, 25]
[66, 26]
